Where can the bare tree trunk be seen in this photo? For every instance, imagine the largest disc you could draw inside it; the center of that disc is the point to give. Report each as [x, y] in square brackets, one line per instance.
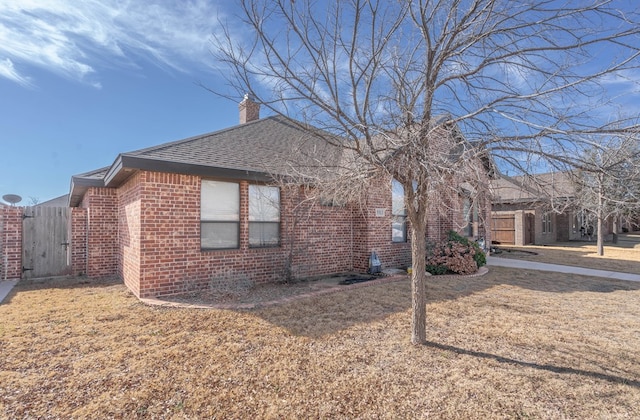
[385, 45]
[600, 240]
[418, 286]
[600, 234]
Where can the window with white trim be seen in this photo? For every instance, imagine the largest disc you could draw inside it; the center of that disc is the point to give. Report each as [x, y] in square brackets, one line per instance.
[264, 216]
[398, 212]
[546, 223]
[466, 211]
[219, 215]
[470, 212]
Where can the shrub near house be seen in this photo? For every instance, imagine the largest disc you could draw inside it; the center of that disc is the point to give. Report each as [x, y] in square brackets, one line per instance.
[456, 254]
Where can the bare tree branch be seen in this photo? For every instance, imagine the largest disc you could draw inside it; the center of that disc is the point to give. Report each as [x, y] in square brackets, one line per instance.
[524, 81]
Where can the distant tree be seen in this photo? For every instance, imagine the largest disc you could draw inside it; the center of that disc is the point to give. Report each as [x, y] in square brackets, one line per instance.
[522, 80]
[34, 201]
[608, 181]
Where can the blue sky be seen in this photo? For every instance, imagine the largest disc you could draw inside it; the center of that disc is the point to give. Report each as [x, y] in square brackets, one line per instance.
[81, 81]
[84, 80]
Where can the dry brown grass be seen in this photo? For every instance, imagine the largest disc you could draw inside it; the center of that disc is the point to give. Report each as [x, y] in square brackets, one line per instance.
[623, 256]
[510, 344]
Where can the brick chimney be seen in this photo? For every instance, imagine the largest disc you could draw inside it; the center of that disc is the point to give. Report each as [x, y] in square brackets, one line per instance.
[249, 110]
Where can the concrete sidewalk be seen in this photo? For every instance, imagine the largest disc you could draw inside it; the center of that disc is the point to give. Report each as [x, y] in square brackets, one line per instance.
[5, 288]
[530, 265]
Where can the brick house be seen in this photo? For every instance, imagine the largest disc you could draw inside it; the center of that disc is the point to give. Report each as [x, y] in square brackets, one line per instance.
[539, 209]
[204, 211]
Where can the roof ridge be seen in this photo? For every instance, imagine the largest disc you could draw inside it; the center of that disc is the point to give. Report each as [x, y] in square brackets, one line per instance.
[196, 137]
[93, 172]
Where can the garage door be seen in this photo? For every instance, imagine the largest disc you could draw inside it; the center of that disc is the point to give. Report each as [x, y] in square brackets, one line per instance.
[503, 229]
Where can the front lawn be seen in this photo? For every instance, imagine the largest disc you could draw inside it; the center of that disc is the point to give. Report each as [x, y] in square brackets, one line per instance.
[510, 344]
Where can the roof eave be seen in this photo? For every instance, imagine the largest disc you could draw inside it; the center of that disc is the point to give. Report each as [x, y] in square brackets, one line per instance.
[79, 187]
[126, 165]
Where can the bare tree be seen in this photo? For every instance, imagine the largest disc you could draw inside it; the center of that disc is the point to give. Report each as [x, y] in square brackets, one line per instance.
[523, 80]
[608, 181]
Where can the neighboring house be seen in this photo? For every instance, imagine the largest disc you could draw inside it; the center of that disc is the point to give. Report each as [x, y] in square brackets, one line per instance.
[61, 201]
[205, 211]
[538, 209]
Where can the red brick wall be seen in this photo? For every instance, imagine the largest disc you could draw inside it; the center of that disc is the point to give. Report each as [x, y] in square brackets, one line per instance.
[129, 211]
[316, 238]
[170, 257]
[11, 242]
[148, 232]
[95, 245]
[374, 232]
[78, 241]
[102, 231]
[166, 255]
[484, 228]
[444, 211]
[159, 238]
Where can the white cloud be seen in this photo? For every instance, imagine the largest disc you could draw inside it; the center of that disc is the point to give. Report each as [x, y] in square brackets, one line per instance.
[7, 70]
[77, 38]
[624, 82]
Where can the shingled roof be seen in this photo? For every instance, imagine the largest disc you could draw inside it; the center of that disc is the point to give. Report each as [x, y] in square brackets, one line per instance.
[532, 188]
[256, 151]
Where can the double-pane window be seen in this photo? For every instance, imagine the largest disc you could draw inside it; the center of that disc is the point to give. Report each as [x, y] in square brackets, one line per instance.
[219, 215]
[264, 216]
[470, 211]
[546, 223]
[466, 211]
[398, 212]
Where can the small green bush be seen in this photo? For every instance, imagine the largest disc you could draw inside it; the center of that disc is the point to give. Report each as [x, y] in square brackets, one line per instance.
[437, 270]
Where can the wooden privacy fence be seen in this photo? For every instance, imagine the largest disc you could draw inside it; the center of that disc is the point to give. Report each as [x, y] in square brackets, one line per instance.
[45, 242]
[42, 242]
[503, 229]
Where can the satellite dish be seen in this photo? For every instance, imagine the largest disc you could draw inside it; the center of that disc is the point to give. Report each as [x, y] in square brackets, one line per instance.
[12, 198]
